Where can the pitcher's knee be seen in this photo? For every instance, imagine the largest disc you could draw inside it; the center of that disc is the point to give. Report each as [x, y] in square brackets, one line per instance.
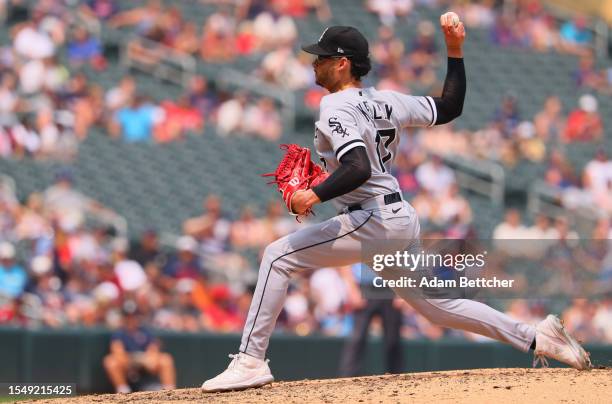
[274, 257]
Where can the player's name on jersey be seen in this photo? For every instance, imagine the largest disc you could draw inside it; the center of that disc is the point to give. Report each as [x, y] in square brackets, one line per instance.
[436, 282]
[373, 111]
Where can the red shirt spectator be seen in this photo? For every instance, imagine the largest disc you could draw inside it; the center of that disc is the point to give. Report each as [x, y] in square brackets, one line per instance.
[178, 117]
[584, 124]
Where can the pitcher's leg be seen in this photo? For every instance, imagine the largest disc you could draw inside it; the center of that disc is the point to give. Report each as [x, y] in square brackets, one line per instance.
[334, 242]
[476, 317]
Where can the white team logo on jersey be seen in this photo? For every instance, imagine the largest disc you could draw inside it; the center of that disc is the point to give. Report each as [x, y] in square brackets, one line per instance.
[337, 127]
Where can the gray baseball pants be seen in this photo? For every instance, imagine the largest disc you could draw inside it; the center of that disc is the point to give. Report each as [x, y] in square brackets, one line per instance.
[338, 242]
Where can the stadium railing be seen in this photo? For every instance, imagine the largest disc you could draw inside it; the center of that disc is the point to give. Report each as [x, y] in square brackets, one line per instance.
[483, 177]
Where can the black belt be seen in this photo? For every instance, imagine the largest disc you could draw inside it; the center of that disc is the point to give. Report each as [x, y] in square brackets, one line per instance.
[389, 199]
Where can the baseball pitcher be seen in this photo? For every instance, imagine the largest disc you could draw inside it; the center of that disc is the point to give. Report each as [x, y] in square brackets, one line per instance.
[356, 138]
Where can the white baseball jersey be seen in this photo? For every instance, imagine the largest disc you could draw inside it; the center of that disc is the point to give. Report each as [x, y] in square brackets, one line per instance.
[373, 119]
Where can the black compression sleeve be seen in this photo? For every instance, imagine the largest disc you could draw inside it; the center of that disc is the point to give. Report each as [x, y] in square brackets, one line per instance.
[450, 105]
[354, 170]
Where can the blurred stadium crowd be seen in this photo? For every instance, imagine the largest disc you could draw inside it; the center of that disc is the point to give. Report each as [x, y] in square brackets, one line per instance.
[68, 273]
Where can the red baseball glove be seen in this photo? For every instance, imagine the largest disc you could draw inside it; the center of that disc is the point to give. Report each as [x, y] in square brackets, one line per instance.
[296, 172]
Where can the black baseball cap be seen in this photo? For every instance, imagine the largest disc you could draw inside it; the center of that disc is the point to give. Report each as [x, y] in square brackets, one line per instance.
[340, 41]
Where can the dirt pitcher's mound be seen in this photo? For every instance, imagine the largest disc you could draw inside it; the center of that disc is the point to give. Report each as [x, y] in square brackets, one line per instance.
[458, 386]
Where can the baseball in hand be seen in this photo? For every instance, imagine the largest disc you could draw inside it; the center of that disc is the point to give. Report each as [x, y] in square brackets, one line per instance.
[454, 32]
[450, 18]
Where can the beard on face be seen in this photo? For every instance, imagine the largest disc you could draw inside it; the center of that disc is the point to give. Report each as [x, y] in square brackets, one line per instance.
[322, 77]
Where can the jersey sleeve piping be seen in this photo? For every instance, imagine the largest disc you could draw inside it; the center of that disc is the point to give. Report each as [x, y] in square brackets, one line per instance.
[434, 112]
[342, 150]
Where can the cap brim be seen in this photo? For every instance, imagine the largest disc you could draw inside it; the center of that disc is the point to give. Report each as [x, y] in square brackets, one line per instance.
[315, 49]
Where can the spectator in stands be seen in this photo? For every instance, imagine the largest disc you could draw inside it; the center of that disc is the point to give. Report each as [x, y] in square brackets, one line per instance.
[218, 37]
[84, 102]
[186, 263]
[130, 275]
[425, 206]
[434, 176]
[296, 316]
[121, 96]
[26, 140]
[597, 182]
[247, 231]
[211, 229]
[143, 18]
[507, 117]
[187, 39]
[230, 115]
[543, 236]
[202, 97]
[529, 145]
[587, 75]
[282, 68]
[559, 172]
[32, 223]
[424, 46]
[388, 49]
[178, 312]
[57, 141]
[503, 32]
[602, 320]
[389, 11]
[135, 123]
[262, 120]
[476, 14]
[274, 29]
[404, 168]
[276, 223]
[575, 36]
[9, 99]
[328, 296]
[511, 227]
[579, 319]
[541, 229]
[147, 250]
[247, 42]
[134, 349]
[584, 124]
[31, 42]
[177, 118]
[13, 277]
[85, 48]
[603, 199]
[597, 173]
[548, 122]
[452, 208]
[100, 9]
[542, 32]
[223, 313]
[506, 233]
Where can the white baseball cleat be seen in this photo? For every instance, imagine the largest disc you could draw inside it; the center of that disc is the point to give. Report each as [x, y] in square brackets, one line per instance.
[243, 372]
[554, 342]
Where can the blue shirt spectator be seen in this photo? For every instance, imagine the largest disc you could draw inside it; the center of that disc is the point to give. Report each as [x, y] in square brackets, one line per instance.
[135, 340]
[576, 32]
[102, 9]
[83, 47]
[136, 122]
[13, 277]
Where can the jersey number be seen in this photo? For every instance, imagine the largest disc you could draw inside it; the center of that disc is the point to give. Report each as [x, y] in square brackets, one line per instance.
[389, 135]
